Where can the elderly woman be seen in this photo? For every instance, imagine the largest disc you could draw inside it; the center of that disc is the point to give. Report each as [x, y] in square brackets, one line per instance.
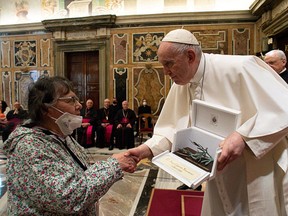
[47, 170]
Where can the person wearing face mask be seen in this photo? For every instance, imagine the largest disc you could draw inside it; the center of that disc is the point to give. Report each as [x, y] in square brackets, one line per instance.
[115, 106]
[47, 170]
[144, 108]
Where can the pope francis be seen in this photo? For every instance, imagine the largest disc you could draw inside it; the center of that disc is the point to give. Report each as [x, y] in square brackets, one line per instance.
[252, 177]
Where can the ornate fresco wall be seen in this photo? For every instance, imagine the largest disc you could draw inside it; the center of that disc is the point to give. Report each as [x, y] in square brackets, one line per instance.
[132, 71]
[137, 73]
[29, 11]
[23, 59]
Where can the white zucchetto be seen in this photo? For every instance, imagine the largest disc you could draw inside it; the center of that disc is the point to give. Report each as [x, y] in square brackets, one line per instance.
[181, 36]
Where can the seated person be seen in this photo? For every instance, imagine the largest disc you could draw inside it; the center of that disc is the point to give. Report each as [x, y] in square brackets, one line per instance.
[3, 121]
[144, 108]
[105, 123]
[124, 121]
[86, 133]
[4, 109]
[114, 107]
[14, 117]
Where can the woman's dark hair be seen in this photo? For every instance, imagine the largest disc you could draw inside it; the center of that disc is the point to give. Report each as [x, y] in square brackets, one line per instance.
[44, 91]
[4, 106]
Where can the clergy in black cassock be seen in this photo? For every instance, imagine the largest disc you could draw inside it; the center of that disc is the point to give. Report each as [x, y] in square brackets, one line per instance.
[124, 121]
[86, 133]
[105, 122]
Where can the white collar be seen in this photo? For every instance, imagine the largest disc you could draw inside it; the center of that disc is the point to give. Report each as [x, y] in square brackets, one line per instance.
[200, 71]
[283, 70]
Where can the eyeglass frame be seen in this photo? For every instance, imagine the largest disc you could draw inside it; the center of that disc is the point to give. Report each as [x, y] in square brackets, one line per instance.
[73, 99]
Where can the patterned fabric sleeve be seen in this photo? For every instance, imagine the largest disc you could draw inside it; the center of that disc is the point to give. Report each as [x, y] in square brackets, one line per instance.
[51, 180]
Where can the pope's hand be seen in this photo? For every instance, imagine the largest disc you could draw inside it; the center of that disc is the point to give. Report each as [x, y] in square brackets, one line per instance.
[127, 163]
[140, 152]
[232, 148]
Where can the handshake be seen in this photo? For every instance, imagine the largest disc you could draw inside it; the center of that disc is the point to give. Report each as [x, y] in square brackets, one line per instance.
[128, 160]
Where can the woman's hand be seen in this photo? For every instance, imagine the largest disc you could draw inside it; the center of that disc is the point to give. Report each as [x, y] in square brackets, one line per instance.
[127, 162]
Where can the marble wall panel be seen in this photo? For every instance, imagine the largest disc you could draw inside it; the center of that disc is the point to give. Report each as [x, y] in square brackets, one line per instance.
[120, 86]
[120, 48]
[5, 54]
[149, 84]
[22, 82]
[145, 46]
[25, 53]
[241, 41]
[45, 52]
[30, 53]
[6, 87]
[213, 41]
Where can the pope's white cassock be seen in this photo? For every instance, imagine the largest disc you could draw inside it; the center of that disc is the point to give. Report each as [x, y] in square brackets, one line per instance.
[257, 182]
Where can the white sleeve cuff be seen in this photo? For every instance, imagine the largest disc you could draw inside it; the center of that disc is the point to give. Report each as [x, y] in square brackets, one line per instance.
[158, 144]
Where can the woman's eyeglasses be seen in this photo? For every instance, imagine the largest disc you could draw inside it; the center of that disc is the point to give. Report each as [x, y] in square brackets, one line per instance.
[70, 100]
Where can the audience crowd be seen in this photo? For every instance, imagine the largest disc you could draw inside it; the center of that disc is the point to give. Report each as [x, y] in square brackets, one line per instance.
[110, 126]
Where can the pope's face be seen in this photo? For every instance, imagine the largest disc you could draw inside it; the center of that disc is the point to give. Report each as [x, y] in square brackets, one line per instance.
[178, 66]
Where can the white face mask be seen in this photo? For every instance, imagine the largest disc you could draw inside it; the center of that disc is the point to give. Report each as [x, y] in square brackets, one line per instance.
[144, 103]
[68, 122]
